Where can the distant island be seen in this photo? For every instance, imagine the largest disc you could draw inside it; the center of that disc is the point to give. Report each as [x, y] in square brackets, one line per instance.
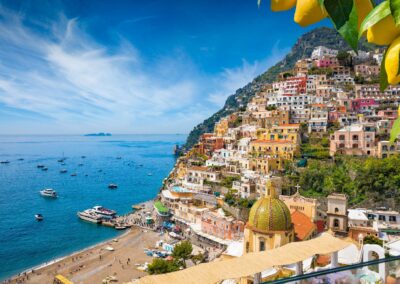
[98, 134]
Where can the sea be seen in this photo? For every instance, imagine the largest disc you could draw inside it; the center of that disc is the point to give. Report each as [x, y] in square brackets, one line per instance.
[136, 163]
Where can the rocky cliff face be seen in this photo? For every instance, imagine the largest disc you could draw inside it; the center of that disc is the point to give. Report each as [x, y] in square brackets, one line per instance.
[302, 49]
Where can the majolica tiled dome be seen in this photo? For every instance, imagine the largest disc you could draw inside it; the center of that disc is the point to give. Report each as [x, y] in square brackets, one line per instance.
[269, 214]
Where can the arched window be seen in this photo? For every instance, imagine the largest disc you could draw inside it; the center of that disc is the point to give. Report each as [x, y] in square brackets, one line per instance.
[336, 210]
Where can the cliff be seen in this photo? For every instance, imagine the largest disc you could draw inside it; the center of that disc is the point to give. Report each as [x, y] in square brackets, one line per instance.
[302, 49]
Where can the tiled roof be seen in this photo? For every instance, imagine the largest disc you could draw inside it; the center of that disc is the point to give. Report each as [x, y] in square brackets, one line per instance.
[303, 225]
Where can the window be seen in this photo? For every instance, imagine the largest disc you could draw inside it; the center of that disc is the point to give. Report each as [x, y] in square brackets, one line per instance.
[262, 245]
[392, 219]
[382, 218]
[336, 223]
[247, 246]
[341, 137]
[336, 210]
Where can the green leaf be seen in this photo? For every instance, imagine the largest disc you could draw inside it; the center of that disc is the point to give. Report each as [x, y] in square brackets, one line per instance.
[395, 9]
[378, 13]
[383, 78]
[321, 2]
[343, 14]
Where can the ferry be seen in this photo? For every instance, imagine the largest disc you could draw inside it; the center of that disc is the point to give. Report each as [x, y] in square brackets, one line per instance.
[90, 216]
[48, 192]
[39, 217]
[104, 212]
[112, 186]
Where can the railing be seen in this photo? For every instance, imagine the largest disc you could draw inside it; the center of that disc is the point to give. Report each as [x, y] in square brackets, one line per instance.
[368, 271]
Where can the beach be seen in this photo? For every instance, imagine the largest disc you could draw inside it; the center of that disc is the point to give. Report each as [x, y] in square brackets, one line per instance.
[96, 263]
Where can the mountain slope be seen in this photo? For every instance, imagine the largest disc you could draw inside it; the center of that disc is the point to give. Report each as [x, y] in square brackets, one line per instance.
[302, 49]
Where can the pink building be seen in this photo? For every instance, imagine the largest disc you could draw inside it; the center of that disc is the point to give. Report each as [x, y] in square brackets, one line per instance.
[390, 114]
[356, 140]
[325, 62]
[360, 105]
[215, 223]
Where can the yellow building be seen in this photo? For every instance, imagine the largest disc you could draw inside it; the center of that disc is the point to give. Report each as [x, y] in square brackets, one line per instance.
[265, 165]
[269, 225]
[221, 127]
[307, 206]
[290, 132]
[285, 149]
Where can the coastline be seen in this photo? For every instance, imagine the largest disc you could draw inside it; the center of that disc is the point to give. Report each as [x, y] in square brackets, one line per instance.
[45, 267]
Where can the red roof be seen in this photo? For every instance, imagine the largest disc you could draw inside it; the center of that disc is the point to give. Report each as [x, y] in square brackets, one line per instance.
[303, 226]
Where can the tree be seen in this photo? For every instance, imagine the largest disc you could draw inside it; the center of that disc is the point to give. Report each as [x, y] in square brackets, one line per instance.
[198, 258]
[182, 252]
[160, 266]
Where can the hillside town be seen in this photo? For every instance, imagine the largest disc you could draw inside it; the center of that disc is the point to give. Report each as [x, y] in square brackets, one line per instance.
[228, 195]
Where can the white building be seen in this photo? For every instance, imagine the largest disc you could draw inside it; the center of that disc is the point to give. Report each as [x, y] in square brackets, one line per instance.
[322, 51]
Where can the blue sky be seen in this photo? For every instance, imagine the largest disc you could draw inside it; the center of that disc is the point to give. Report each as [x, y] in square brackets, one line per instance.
[72, 67]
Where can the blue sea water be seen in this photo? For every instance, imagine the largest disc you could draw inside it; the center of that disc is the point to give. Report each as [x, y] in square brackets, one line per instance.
[25, 242]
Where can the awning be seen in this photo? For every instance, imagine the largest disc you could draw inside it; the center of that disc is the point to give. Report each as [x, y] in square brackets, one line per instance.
[250, 264]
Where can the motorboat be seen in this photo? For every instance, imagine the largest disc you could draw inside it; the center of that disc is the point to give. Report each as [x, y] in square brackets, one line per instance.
[48, 192]
[40, 166]
[45, 169]
[89, 215]
[73, 175]
[63, 171]
[105, 212]
[119, 158]
[119, 227]
[112, 186]
[20, 159]
[5, 162]
[39, 217]
[149, 174]
[83, 157]
[80, 165]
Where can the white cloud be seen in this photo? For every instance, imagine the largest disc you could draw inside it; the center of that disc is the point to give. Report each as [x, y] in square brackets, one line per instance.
[232, 79]
[80, 85]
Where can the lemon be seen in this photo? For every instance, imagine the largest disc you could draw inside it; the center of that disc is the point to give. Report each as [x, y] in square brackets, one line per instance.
[308, 12]
[363, 9]
[282, 5]
[383, 32]
[392, 62]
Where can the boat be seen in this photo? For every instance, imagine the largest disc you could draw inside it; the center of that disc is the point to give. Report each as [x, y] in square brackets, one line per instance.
[149, 174]
[61, 160]
[40, 166]
[90, 216]
[5, 162]
[73, 175]
[20, 159]
[63, 164]
[83, 157]
[112, 186]
[39, 217]
[63, 171]
[80, 165]
[45, 169]
[107, 213]
[119, 227]
[119, 158]
[48, 192]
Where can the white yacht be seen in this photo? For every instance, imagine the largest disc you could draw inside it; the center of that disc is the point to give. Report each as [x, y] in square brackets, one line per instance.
[104, 212]
[48, 192]
[90, 215]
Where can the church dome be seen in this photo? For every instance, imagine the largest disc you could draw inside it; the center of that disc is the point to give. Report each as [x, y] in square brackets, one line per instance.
[269, 214]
